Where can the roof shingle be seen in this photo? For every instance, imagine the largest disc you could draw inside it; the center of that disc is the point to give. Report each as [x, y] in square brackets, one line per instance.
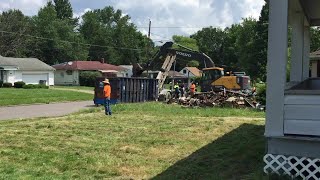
[25, 64]
[87, 66]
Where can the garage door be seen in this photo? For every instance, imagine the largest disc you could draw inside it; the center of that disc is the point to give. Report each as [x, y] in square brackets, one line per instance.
[34, 78]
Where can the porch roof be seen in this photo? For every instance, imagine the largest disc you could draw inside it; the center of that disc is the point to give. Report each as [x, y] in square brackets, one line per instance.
[311, 10]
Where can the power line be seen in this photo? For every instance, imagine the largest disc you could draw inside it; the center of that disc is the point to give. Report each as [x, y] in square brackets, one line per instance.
[165, 38]
[72, 42]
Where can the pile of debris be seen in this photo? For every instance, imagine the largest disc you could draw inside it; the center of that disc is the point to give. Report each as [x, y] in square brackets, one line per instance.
[234, 99]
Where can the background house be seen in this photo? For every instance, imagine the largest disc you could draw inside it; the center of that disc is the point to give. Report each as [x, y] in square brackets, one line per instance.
[28, 70]
[128, 72]
[68, 73]
[191, 72]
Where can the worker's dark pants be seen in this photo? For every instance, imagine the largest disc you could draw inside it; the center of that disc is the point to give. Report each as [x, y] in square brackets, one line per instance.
[107, 106]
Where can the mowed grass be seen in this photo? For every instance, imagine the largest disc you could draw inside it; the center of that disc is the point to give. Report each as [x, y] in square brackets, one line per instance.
[12, 96]
[140, 141]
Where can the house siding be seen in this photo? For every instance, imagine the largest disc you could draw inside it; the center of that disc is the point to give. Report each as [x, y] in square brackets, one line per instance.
[191, 75]
[15, 76]
[301, 115]
[62, 78]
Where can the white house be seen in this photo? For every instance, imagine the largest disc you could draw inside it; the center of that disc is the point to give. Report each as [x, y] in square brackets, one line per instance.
[191, 72]
[68, 73]
[292, 110]
[28, 70]
[128, 72]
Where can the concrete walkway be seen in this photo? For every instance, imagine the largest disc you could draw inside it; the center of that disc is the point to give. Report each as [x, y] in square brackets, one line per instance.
[43, 110]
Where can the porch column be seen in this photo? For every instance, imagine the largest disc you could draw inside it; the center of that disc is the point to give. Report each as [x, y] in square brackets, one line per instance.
[306, 54]
[276, 66]
[297, 53]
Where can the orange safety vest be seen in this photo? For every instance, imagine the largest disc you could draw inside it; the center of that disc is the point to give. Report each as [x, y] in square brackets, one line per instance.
[107, 91]
[193, 88]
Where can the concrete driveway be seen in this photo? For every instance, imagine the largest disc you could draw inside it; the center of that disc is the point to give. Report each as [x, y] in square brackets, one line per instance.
[43, 110]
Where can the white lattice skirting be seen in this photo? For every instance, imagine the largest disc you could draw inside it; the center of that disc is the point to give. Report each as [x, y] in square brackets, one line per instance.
[296, 167]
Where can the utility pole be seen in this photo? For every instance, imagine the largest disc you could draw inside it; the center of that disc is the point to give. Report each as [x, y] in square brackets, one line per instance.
[148, 45]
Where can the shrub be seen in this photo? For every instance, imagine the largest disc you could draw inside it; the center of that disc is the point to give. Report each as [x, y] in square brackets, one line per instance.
[88, 78]
[35, 86]
[19, 84]
[7, 85]
[261, 94]
[28, 86]
[42, 86]
[1, 83]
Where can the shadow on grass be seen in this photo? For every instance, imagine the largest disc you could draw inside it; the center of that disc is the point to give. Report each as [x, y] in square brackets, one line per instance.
[236, 155]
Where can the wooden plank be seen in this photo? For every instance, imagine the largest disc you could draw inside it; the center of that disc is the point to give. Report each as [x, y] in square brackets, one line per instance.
[302, 127]
[310, 112]
[302, 99]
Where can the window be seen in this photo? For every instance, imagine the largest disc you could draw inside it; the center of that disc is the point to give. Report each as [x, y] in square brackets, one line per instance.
[69, 72]
[184, 71]
[62, 74]
[212, 74]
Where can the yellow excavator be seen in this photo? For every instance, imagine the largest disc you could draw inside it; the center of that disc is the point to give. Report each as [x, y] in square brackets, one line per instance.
[213, 78]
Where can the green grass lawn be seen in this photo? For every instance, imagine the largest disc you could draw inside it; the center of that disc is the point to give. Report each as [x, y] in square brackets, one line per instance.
[140, 141]
[12, 96]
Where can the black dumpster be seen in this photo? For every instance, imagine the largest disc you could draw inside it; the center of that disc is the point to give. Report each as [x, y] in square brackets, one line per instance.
[127, 90]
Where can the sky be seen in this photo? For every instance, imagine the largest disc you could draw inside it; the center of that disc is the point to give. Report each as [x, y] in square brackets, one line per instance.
[169, 17]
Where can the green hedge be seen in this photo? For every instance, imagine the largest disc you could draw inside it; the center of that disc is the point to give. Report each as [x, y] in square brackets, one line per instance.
[261, 93]
[1, 83]
[7, 85]
[19, 84]
[35, 86]
[88, 78]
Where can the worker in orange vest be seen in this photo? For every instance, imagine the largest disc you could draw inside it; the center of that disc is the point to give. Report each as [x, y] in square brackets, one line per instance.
[107, 96]
[192, 89]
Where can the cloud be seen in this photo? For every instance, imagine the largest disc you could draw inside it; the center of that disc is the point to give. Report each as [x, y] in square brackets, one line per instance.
[28, 7]
[189, 15]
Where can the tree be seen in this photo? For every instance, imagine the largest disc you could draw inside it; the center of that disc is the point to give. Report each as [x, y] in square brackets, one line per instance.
[59, 42]
[261, 43]
[63, 9]
[193, 63]
[245, 47]
[210, 41]
[315, 39]
[117, 39]
[15, 26]
[186, 42]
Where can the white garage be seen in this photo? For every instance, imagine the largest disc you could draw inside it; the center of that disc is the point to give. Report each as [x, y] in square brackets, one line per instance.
[35, 78]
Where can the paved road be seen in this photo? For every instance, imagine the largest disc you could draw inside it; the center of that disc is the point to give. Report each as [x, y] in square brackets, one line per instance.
[43, 110]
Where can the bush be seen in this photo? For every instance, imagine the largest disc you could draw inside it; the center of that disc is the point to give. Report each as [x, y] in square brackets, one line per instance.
[19, 84]
[88, 78]
[42, 86]
[35, 86]
[7, 85]
[261, 94]
[28, 86]
[1, 83]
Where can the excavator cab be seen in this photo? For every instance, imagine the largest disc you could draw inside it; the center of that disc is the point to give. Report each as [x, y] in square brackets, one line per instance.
[215, 79]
